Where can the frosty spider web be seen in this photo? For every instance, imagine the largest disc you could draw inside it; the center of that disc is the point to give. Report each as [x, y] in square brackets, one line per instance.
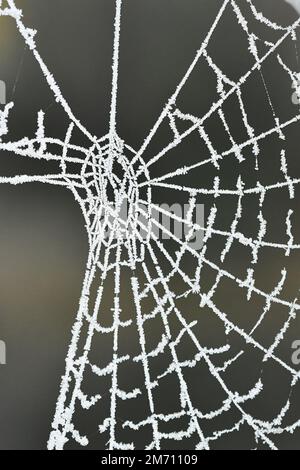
[135, 281]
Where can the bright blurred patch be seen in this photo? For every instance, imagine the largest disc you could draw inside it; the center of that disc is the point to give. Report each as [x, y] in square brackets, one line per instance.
[295, 4]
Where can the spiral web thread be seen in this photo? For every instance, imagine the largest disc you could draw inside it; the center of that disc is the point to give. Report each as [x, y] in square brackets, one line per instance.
[126, 249]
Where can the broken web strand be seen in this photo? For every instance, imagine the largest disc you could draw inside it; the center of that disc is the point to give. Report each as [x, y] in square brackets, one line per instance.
[260, 428]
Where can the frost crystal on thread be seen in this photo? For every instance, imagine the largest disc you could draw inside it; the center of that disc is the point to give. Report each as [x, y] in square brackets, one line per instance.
[152, 294]
[295, 4]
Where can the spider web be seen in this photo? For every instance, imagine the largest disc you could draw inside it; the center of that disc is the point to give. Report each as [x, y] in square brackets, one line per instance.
[138, 285]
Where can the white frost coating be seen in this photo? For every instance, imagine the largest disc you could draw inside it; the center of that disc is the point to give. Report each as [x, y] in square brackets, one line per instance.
[126, 251]
[3, 119]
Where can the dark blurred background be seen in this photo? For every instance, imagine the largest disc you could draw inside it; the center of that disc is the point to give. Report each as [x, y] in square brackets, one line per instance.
[43, 245]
